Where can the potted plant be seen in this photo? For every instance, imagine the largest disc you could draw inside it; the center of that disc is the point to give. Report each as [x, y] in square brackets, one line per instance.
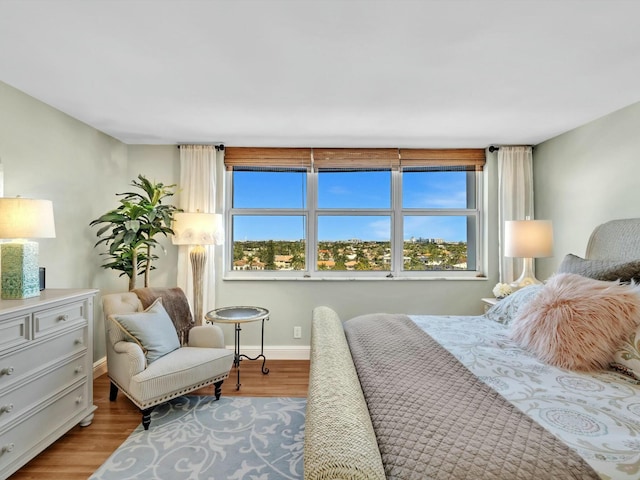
[130, 229]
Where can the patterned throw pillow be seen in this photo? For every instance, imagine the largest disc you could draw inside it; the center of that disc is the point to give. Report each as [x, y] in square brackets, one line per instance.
[627, 357]
[607, 270]
[152, 329]
[506, 309]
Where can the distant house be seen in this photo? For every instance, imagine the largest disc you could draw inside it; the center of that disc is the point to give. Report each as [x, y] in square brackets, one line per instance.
[248, 265]
[241, 265]
[283, 262]
[257, 265]
[327, 264]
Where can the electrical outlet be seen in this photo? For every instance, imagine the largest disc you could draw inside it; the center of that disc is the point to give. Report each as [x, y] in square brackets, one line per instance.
[297, 332]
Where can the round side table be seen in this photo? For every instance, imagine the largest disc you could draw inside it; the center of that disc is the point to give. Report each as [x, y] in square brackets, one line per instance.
[237, 316]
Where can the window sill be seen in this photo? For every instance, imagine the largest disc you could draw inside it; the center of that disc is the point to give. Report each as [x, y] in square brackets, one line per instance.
[351, 279]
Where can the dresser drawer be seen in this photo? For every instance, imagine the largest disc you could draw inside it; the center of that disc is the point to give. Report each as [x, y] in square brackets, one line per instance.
[47, 321]
[14, 331]
[22, 397]
[18, 443]
[37, 355]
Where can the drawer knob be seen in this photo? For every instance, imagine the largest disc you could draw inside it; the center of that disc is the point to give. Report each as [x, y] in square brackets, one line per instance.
[78, 369]
[6, 408]
[8, 447]
[63, 318]
[78, 341]
[6, 371]
[79, 399]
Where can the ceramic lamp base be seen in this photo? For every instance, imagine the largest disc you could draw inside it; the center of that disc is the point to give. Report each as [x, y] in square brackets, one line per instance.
[20, 272]
[527, 277]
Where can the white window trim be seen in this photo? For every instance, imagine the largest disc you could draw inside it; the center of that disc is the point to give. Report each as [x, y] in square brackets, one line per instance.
[311, 213]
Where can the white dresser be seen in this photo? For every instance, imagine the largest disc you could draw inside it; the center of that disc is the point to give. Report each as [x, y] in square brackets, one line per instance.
[46, 371]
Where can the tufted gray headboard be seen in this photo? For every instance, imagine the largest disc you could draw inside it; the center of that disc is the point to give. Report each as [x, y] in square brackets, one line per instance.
[615, 240]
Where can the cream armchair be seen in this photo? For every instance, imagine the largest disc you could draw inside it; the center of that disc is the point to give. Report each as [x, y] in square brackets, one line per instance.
[198, 357]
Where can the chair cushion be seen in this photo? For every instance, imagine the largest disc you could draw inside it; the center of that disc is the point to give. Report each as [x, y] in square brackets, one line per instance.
[181, 371]
[152, 329]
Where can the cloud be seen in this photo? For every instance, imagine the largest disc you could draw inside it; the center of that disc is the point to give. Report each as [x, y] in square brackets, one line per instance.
[448, 228]
[380, 230]
[339, 190]
[436, 190]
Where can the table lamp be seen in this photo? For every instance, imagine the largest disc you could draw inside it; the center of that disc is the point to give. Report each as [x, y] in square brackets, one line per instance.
[21, 219]
[528, 239]
[197, 229]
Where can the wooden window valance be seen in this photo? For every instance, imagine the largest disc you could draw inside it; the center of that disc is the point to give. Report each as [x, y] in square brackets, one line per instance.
[353, 158]
[458, 158]
[267, 157]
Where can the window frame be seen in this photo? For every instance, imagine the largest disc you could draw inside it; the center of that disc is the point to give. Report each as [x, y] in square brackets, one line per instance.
[396, 212]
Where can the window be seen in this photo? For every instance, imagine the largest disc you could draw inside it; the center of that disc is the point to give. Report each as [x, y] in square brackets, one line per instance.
[352, 212]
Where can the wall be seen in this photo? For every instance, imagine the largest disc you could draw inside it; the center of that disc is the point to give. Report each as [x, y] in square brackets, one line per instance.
[585, 177]
[47, 154]
[291, 302]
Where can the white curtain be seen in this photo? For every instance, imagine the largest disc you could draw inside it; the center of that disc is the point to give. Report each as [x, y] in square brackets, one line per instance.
[515, 199]
[197, 193]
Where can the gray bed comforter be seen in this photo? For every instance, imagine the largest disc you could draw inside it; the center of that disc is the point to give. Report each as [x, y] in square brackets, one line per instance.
[434, 419]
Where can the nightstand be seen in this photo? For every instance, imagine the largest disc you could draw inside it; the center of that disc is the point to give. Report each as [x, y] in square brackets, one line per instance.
[487, 303]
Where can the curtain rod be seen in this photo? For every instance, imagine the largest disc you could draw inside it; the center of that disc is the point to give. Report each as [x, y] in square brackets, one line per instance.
[495, 148]
[217, 147]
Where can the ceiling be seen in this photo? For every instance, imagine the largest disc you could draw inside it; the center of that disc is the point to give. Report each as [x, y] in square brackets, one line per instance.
[349, 73]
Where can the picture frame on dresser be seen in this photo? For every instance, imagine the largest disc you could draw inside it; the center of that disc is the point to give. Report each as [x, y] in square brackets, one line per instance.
[46, 371]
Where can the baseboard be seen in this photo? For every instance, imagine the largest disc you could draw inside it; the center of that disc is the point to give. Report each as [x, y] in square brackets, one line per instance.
[99, 367]
[284, 352]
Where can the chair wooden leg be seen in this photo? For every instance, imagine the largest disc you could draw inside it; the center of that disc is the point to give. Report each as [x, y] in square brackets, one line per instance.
[146, 417]
[218, 389]
[113, 392]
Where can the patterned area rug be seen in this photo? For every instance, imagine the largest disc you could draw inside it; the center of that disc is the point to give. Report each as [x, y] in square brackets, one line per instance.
[195, 437]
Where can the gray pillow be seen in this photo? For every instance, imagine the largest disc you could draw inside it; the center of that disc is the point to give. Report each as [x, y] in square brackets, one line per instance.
[152, 329]
[607, 270]
[506, 309]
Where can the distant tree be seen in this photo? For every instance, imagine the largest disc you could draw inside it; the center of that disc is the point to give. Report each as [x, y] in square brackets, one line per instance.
[238, 251]
[269, 258]
[297, 262]
[363, 264]
[340, 262]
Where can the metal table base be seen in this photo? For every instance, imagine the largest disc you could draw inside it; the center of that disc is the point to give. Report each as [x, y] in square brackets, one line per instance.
[239, 356]
[237, 316]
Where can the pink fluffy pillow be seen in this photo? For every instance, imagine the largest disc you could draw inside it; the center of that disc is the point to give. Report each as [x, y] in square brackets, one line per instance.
[576, 322]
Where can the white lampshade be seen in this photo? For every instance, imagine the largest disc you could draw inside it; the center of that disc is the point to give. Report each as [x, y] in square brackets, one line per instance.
[197, 229]
[26, 218]
[528, 238]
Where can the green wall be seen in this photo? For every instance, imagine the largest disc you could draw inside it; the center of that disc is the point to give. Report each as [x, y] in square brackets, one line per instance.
[47, 154]
[586, 177]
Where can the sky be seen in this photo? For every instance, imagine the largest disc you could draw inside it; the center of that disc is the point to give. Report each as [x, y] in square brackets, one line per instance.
[349, 191]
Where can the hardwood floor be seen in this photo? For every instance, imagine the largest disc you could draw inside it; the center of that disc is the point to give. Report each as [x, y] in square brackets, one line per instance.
[82, 450]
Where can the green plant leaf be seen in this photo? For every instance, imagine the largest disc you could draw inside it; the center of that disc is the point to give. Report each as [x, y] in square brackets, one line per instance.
[130, 227]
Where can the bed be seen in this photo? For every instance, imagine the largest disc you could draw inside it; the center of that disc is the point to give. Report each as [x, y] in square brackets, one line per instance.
[465, 397]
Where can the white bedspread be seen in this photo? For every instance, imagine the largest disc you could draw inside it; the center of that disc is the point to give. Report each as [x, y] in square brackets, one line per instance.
[596, 414]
